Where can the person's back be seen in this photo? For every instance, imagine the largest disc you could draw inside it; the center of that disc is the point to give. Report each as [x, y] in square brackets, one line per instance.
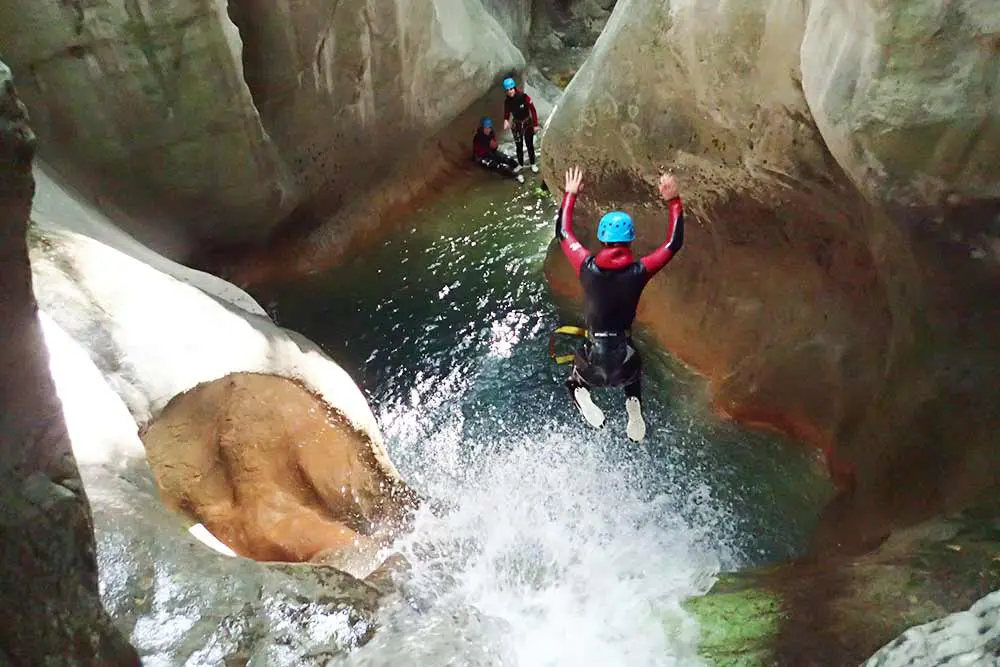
[612, 282]
[611, 293]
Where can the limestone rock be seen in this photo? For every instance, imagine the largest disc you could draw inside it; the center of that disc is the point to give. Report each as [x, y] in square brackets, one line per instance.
[514, 16]
[274, 473]
[906, 95]
[575, 23]
[151, 99]
[222, 127]
[48, 573]
[154, 576]
[837, 612]
[153, 337]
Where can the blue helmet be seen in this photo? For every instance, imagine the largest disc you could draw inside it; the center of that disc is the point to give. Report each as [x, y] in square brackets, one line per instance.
[487, 123]
[508, 84]
[616, 227]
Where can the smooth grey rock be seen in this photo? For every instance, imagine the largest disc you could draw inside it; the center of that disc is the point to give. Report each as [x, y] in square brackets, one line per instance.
[182, 603]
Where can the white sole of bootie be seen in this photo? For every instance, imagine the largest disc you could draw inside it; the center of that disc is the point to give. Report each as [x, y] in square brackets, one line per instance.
[591, 413]
[636, 428]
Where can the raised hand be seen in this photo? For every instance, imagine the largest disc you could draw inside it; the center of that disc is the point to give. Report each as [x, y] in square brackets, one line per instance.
[668, 187]
[574, 179]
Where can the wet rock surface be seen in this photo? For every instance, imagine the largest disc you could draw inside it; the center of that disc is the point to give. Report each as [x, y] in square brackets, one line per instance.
[180, 602]
[841, 612]
[48, 572]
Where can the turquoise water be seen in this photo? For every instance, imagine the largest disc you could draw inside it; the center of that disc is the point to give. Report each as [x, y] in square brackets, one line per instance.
[565, 545]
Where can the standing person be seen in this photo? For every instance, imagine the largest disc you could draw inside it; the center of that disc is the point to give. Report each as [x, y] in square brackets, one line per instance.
[486, 154]
[520, 116]
[612, 281]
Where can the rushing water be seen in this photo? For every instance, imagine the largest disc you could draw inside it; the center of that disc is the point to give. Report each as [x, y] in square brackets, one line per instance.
[561, 545]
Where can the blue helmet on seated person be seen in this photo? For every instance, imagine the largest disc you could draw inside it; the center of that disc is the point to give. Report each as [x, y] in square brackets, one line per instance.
[616, 227]
[486, 123]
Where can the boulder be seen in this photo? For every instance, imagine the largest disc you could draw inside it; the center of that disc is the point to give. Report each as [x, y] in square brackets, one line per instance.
[178, 592]
[154, 337]
[48, 570]
[154, 575]
[815, 306]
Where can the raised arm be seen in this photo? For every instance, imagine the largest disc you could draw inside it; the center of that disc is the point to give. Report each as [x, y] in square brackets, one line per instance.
[659, 258]
[571, 247]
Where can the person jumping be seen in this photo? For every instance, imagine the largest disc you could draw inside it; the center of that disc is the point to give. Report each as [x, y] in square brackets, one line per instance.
[612, 281]
[520, 116]
[487, 155]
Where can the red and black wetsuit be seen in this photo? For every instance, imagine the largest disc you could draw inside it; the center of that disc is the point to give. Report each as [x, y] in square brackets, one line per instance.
[525, 119]
[484, 152]
[612, 282]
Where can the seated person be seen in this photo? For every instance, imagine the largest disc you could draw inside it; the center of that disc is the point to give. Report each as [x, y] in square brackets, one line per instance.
[485, 153]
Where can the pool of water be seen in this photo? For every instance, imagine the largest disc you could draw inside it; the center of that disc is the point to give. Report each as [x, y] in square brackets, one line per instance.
[563, 545]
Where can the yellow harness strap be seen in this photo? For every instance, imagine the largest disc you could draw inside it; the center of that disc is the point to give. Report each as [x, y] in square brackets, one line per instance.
[569, 330]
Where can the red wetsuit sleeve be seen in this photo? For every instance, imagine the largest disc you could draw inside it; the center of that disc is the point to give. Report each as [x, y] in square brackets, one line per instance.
[657, 259]
[534, 113]
[571, 247]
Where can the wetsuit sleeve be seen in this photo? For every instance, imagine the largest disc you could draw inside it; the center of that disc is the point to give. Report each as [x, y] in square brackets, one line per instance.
[657, 259]
[506, 108]
[573, 249]
[493, 144]
[534, 113]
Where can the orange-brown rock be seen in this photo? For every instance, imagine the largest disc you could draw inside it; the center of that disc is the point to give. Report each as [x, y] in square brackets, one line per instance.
[275, 473]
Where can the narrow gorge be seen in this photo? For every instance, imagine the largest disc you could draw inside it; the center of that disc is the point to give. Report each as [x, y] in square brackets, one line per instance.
[276, 380]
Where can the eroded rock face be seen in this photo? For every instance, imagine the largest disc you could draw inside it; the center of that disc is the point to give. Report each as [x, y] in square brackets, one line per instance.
[817, 307]
[48, 571]
[228, 125]
[154, 337]
[151, 101]
[904, 94]
[275, 473]
[182, 596]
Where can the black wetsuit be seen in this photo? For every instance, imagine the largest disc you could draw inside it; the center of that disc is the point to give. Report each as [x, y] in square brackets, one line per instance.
[485, 153]
[608, 358]
[520, 110]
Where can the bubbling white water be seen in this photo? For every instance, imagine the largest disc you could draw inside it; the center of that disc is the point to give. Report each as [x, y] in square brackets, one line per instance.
[550, 554]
